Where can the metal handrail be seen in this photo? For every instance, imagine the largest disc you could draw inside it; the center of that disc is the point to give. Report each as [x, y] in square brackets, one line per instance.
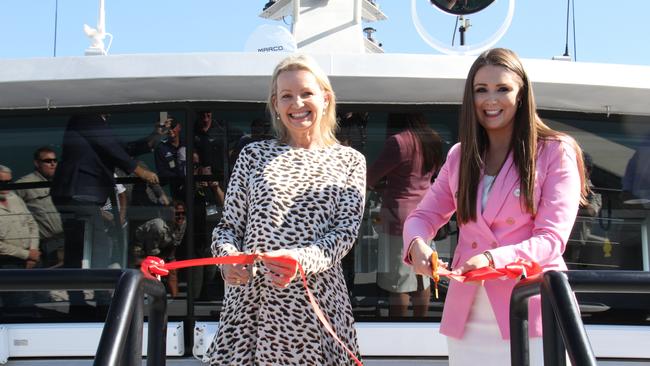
[121, 339]
[561, 321]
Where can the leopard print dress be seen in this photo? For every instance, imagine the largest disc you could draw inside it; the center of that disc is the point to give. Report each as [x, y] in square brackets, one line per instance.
[311, 202]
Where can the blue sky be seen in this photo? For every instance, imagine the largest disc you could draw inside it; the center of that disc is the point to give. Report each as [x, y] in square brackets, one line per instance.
[604, 33]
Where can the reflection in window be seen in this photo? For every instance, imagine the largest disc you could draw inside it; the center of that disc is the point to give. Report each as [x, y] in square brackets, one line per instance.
[143, 218]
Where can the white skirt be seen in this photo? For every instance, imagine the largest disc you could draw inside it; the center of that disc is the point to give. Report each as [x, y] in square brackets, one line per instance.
[482, 343]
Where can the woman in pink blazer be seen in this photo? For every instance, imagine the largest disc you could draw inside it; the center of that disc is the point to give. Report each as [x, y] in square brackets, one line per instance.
[515, 185]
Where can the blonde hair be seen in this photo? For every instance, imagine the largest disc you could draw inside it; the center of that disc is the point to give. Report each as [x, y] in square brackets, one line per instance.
[528, 130]
[328, 123]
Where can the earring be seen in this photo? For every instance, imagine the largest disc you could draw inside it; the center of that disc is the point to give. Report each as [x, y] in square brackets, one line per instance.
[277, 116]
[519, 103]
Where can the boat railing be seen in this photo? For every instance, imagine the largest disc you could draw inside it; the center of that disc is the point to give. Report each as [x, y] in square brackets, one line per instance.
[562, 326]
[121, 339]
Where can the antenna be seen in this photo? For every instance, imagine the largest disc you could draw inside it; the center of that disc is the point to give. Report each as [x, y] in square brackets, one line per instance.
[56, 21]
[566, 56]
[566, 38]
[98, 34]
[573, 12]
[464, 25]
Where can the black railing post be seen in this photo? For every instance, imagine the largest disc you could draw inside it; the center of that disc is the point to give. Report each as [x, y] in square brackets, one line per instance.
[556, 287]
[519, 347]
[118, 320]
[133, 348]
[157, 319]
[554, 351]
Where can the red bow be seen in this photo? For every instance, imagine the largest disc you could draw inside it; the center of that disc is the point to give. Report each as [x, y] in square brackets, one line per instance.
[517, 269]
[154, 267]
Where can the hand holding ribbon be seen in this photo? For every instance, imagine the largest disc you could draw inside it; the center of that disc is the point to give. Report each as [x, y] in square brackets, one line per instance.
[518, 269]
[282, 264]
[280, 271]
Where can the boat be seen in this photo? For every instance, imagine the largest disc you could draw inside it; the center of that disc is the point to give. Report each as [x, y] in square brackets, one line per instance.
[603, 106]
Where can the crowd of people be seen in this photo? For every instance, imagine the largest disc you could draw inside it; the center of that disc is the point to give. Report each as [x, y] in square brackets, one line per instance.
[295, 189]
[72, 213]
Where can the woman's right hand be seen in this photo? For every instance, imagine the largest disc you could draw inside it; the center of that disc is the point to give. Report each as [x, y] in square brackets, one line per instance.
[236, 274]
[420, 254]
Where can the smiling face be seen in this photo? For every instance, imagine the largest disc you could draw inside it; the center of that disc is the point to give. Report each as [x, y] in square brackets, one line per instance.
[496, 98]
[175, 132]
[179, 214]
[300, 102]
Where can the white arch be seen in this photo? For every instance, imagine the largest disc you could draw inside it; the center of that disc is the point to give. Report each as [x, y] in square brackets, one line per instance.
[467, 49]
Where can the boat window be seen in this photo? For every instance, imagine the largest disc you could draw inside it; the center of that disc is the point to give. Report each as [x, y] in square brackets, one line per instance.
[137, 219]
[399, 172]
[611, 229]
[79, 204]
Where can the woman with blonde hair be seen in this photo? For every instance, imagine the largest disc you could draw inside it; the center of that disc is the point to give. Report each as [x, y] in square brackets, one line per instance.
[515, 185]
[300, 195]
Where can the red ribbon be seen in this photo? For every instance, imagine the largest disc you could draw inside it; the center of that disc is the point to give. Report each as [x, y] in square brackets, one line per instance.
[517, 269]
[154, 267]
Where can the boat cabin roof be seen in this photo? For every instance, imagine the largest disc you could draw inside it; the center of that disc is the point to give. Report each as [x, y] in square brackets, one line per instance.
[65, 82]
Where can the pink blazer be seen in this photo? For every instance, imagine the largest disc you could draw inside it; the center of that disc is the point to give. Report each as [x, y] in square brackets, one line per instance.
[504, 228]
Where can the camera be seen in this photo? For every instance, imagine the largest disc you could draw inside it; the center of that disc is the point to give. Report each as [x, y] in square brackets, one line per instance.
[163, 130]
[163, 126]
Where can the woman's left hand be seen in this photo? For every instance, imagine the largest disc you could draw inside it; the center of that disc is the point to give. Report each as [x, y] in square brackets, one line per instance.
[280, 273]
[476, 262]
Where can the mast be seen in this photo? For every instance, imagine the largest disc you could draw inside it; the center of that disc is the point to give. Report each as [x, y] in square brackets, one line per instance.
[98, 34]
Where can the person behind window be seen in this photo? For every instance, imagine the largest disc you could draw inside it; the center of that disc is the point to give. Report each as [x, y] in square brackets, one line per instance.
[636, 180]
[160, 237]
[85, 178]
[410, 157]
[170, 160]
[39, 202]
[352, 130]
[515, 185]
[114, 215]
[215, 141]
[300, 195]
[83, 182]
[205, 193]
[580, 235]
[19, 248]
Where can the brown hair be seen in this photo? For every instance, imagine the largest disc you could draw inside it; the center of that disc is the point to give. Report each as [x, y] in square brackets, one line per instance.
[528, 130]
[42, 149]
[328, 123]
